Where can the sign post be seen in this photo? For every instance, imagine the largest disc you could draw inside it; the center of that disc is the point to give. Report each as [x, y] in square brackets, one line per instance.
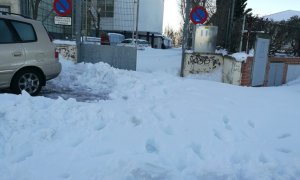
[78, 29]
[185, 37]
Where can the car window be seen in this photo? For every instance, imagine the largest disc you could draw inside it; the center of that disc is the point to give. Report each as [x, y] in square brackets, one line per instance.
[6, 36]
[126, 41]
[25, 31]
[143, 42]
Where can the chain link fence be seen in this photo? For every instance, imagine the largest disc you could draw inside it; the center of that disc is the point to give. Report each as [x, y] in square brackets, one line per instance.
[98, 16]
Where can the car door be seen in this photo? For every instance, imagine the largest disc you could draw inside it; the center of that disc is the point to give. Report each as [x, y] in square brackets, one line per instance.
[12, 54]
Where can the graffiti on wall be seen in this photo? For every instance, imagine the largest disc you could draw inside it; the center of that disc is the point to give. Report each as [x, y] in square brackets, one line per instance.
[204, 60]
[199, 63]
[232, 71]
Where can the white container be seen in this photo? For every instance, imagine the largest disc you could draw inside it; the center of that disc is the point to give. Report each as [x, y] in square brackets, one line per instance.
[205, 39]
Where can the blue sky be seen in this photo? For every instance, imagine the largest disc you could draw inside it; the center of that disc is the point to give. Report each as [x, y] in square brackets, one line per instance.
[266, 7]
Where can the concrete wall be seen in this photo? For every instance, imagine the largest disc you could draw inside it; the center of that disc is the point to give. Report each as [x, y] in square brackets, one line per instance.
[117, 56]
[13, 4]
[198, 63]
[232, 71]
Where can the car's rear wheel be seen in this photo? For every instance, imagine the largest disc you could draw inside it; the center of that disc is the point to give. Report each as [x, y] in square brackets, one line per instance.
[29, 80]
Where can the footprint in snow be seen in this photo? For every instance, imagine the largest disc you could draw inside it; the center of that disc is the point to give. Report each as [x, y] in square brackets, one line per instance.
[263, 159]
[283, 136]
[251, 124]
[2, 114]
[226, 123]
[284, 150]
[167, 130]
[103, 153]
[172, 115]
[197, 150]
[217, 135]
[76, 142]
[136, 121]
[99, 126]
[151, 146]
[23, 156]
[64, 176]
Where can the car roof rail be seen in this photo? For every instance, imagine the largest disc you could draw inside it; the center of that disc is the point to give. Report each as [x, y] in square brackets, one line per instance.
[9, 13]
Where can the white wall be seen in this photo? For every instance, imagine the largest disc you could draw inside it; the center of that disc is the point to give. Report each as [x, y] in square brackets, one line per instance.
[150, 16]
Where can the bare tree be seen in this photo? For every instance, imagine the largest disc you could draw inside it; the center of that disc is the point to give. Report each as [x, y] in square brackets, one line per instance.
[35, 8]
[174, 35]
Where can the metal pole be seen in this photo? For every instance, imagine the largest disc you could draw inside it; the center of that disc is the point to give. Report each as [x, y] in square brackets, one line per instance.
[78, 29]
[247, 44]
[137, 22]
[133, 19]
[86, 18]
[72, 27]
[242, 33]
[231, 23]
[227, 30]
[99, 22]
[184, 35]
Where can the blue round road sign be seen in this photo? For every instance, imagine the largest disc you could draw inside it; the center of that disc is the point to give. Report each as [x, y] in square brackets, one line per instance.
[62, 7]
[199, 15]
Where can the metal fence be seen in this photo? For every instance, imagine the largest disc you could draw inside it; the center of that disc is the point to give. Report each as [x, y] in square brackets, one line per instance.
[97, 16]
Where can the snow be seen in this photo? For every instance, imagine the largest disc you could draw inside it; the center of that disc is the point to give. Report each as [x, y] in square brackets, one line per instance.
[154, 125]
[283, 16]
[241, 56]
[65, 42]
[224, 52]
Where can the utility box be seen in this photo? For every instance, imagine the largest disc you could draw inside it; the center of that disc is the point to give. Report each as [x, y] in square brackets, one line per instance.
[205, 39]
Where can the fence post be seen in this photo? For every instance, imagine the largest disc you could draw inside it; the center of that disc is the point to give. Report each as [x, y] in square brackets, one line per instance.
[185, 35]
[78, 29]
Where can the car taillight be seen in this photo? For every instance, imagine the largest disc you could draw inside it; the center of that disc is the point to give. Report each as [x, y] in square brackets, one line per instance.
[56, 55]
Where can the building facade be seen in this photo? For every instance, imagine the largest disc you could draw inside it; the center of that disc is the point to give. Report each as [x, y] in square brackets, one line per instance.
[10, 6]
[118, 16]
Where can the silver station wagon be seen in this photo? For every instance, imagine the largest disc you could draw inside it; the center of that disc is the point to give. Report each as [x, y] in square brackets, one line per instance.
[27, 56]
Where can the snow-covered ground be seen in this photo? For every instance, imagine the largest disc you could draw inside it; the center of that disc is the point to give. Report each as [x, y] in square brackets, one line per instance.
[151, 125]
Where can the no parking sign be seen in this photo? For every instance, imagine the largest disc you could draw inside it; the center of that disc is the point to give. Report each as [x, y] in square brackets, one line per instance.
[199, 15]
[62, 7]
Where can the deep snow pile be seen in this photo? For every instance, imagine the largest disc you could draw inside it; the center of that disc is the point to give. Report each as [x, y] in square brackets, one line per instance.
[155, 126]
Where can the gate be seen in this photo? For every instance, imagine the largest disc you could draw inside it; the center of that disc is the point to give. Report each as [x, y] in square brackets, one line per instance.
[275, 74]
[260, 61]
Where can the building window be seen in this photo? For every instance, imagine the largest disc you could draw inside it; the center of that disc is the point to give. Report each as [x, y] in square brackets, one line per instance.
[5, 8]
[107, 8]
